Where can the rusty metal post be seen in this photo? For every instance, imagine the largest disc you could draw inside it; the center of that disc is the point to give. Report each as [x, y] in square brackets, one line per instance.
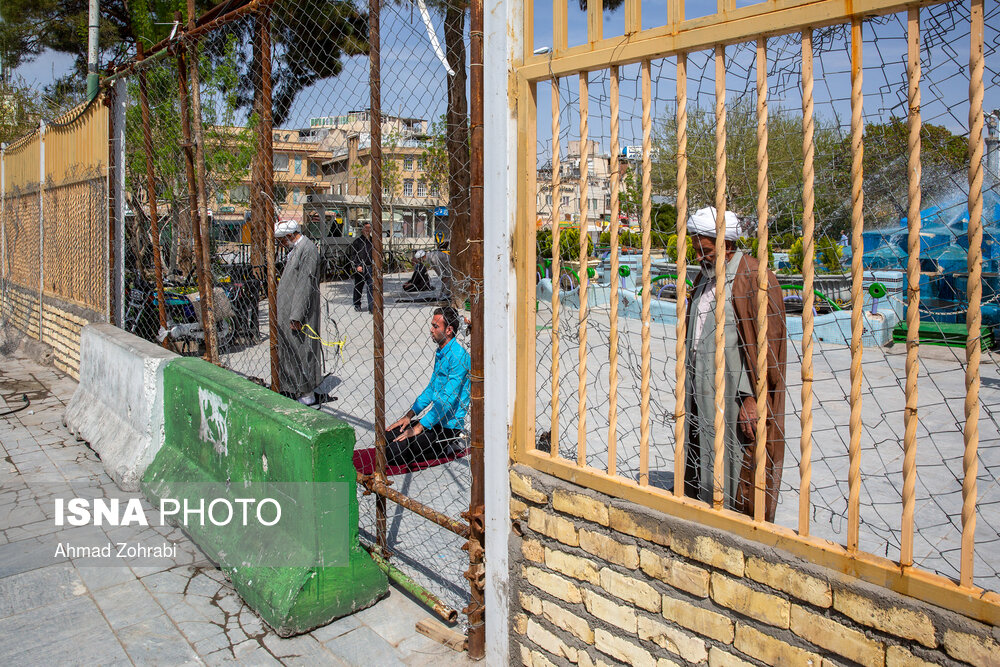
[207, 325]
[378, 323]
[266, 146]
[476, 515]
[187, 145]
[154, 219]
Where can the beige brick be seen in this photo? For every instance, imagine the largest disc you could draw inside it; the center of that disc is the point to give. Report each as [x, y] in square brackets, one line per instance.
[522, 486]
[897, 656]
[683, 576]
[580, 505]
[532, 550]
[772, 651]
[610, 612]
[896, 621]
[530, 603]
[552, 584]
[550, 642]
[568, 621]
[639, 526]
[621, 649]
[630, 589]
[608, 549]
[690, 648]
[525, 655]
[584, 660]
[553, 526]
[833, 636]
[794, 582]
[518, 510]
[739, 597]
[520, 624]
[572, 566]
[534, 658]
[718, 657]
[710, 552]
[971, 648]
[703, 621]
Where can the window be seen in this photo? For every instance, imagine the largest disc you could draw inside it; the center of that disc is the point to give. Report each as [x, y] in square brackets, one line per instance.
[240, 194]
[313, 168]
[220, 196]
[565, 200]
[386, 192]
[280, 194]
[420, 164]
[548, 199]
[298, 165]
[421, 189]
[408, 187]
[607, 201]
[280, 162]
[296, 196]
[435, 190]
[408, 163]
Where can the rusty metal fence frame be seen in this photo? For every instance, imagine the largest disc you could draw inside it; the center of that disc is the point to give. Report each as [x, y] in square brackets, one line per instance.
[182, 47]
[675, 38]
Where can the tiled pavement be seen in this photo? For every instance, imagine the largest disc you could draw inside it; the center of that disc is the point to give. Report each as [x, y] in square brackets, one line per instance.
[60, 611]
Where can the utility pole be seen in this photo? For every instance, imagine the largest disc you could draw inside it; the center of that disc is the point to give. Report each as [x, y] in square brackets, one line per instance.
[93, 30]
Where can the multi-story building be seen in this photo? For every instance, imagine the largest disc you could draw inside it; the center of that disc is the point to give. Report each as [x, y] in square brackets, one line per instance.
[414, 182]
[598, 204]
[322, 175]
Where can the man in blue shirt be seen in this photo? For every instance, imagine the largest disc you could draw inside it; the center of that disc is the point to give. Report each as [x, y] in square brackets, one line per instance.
[409, 440]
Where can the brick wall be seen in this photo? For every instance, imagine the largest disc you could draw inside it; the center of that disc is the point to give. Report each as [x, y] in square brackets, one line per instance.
[61, 323]
[601, 581]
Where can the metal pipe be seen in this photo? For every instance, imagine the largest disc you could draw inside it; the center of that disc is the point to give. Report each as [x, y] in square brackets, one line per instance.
[680, 432]
[477, 573]
[208, 325]
[720, 275]
[857, 304]
[974, 315]
[267, 181]
[154, 218]
[410, 586]
[93, 35]
[581, 392]
[182, 82]
[378, 330]
[386, 492]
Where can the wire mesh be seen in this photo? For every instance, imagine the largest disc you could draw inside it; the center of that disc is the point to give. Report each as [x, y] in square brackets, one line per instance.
[310, 165]
[944, 244]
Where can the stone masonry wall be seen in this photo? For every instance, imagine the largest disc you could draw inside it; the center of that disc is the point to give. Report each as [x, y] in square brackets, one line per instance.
[601, 581]
[61, 323]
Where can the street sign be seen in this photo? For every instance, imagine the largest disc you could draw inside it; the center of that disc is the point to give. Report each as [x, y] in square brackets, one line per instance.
[441, 212]
[633, 152]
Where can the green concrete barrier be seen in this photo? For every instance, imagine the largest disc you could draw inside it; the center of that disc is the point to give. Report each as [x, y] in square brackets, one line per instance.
[228, 438]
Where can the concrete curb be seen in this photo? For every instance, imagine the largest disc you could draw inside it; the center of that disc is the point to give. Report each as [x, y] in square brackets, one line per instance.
[118, 406]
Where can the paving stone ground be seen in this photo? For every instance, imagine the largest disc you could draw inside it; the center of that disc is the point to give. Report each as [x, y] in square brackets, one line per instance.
[60, 610]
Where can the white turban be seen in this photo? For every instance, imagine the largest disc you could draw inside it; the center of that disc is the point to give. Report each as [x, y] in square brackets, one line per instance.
[285, 227]
[702, 223]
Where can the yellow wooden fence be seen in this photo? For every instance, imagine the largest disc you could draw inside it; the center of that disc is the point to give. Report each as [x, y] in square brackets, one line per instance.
[675, 38]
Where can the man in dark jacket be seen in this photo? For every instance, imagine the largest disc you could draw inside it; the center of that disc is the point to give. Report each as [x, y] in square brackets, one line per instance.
[361, 261]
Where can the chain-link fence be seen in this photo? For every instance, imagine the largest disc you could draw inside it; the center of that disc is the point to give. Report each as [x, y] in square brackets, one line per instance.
[256, 150]
[943, 251]
[54, 226]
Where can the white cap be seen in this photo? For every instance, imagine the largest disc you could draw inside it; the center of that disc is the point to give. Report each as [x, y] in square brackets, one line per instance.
[285, 227]
[702, 223]
[419, 254]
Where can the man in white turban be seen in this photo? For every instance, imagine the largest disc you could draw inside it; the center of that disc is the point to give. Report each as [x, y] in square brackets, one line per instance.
[299, 361]
[740, 360]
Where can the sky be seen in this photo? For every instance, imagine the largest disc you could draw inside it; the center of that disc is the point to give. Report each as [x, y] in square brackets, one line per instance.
[414, 81]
